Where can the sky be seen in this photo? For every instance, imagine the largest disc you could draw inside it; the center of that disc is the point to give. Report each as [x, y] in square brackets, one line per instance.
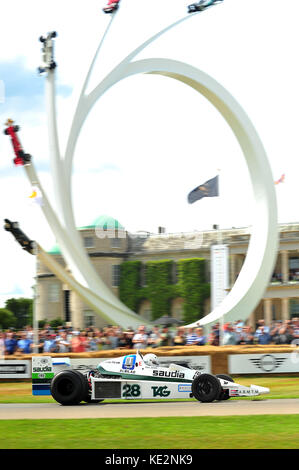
[149, 140]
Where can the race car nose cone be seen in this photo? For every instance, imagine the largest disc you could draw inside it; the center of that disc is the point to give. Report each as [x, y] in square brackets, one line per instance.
[262, 390]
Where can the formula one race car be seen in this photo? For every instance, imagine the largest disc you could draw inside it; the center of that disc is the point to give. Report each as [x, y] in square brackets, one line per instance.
[13, 227]
[21, 158]
[130, 377]
[112, 6]
[202, 5]
[47, 52]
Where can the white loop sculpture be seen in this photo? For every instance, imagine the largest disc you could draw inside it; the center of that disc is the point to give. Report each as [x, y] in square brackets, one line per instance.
[258, 266]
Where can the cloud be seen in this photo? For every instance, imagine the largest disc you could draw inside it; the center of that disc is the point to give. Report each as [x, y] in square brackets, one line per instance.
[15, 291]
[24, 88]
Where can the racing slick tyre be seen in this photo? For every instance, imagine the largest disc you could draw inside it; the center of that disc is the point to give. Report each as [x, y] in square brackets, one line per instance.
[224, 394]
[206, 388]
[69, 387]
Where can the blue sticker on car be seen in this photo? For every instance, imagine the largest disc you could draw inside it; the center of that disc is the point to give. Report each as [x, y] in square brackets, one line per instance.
[129, 362]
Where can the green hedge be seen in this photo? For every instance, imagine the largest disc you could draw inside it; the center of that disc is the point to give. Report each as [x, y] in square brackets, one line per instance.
[160, 289]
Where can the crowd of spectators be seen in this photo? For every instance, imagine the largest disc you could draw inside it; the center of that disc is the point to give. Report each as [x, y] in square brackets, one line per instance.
[66, 339]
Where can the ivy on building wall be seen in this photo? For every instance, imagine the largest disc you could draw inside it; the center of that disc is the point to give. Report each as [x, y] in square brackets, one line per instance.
[159, 287]
[193, 287]
[130, 273]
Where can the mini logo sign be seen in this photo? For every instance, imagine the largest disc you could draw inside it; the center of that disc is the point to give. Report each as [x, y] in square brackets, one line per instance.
[268, 362]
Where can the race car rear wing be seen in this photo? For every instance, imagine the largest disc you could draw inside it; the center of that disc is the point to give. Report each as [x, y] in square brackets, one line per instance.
[43, 371]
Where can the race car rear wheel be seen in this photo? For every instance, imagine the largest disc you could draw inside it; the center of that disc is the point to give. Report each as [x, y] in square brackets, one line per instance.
[206, 388]
[224, 394]
[69, 387]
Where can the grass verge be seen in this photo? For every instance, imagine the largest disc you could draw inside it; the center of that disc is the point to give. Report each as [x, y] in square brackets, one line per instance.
[227, 432]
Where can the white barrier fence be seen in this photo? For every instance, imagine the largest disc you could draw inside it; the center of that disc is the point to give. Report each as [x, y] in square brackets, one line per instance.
[20, 369]
[238, 364]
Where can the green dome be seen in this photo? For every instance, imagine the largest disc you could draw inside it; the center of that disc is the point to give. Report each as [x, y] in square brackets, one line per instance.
[104, 222]
[55, 250]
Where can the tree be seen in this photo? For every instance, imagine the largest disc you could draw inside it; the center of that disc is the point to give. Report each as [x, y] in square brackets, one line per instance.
[7, 318]
[56, 322]
[22, 310]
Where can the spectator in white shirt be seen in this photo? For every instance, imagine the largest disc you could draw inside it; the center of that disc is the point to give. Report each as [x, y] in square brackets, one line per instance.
[140, 338]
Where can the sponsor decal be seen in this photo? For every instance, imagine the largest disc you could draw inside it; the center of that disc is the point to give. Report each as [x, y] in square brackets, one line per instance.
[43, 375]
[112, 362]
[12, 369]
[242, 392]
[185, 388]
[129, 362]
[83, 367]
[166, 373]
[268, 362]
[42, 369]
[161, 391]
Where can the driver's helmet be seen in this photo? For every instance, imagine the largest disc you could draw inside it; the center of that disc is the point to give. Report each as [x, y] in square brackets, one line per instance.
[151, 360]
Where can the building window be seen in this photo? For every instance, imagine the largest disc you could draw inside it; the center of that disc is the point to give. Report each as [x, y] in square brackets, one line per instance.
[175, 273]
[294, 308]
[147, 314]
[54, 292]
[67, 310]
[294, 269]
[115, 242]
[88, 242]
[115, 275]
[89, 319]
[143, 275]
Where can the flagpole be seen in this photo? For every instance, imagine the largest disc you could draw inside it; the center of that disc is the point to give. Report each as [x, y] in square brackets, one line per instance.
[35, 322]
[219, 234]
[35, 198]
[219, 240]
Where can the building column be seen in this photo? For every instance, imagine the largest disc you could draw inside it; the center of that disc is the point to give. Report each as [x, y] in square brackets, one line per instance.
[285, 315]
[268, 311]
[252, 321]
[76, 309]
[285, 266]
[232, 270]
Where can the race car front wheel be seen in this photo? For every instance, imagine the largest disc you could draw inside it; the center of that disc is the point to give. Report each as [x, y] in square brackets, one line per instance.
[69, 387]
[224, 394]
[206, 388]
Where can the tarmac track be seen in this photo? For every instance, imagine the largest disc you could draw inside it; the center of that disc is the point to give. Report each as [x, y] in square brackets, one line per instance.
[148, 409]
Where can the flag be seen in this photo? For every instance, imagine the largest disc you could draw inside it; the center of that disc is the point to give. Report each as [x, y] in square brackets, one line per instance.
[36, 196]
[280, 180]
[208, 189]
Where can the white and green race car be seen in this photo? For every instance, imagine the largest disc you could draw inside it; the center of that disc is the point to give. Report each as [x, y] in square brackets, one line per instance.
[133, 376]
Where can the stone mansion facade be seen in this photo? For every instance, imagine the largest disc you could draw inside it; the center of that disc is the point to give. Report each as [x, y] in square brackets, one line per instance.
[109, 245]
